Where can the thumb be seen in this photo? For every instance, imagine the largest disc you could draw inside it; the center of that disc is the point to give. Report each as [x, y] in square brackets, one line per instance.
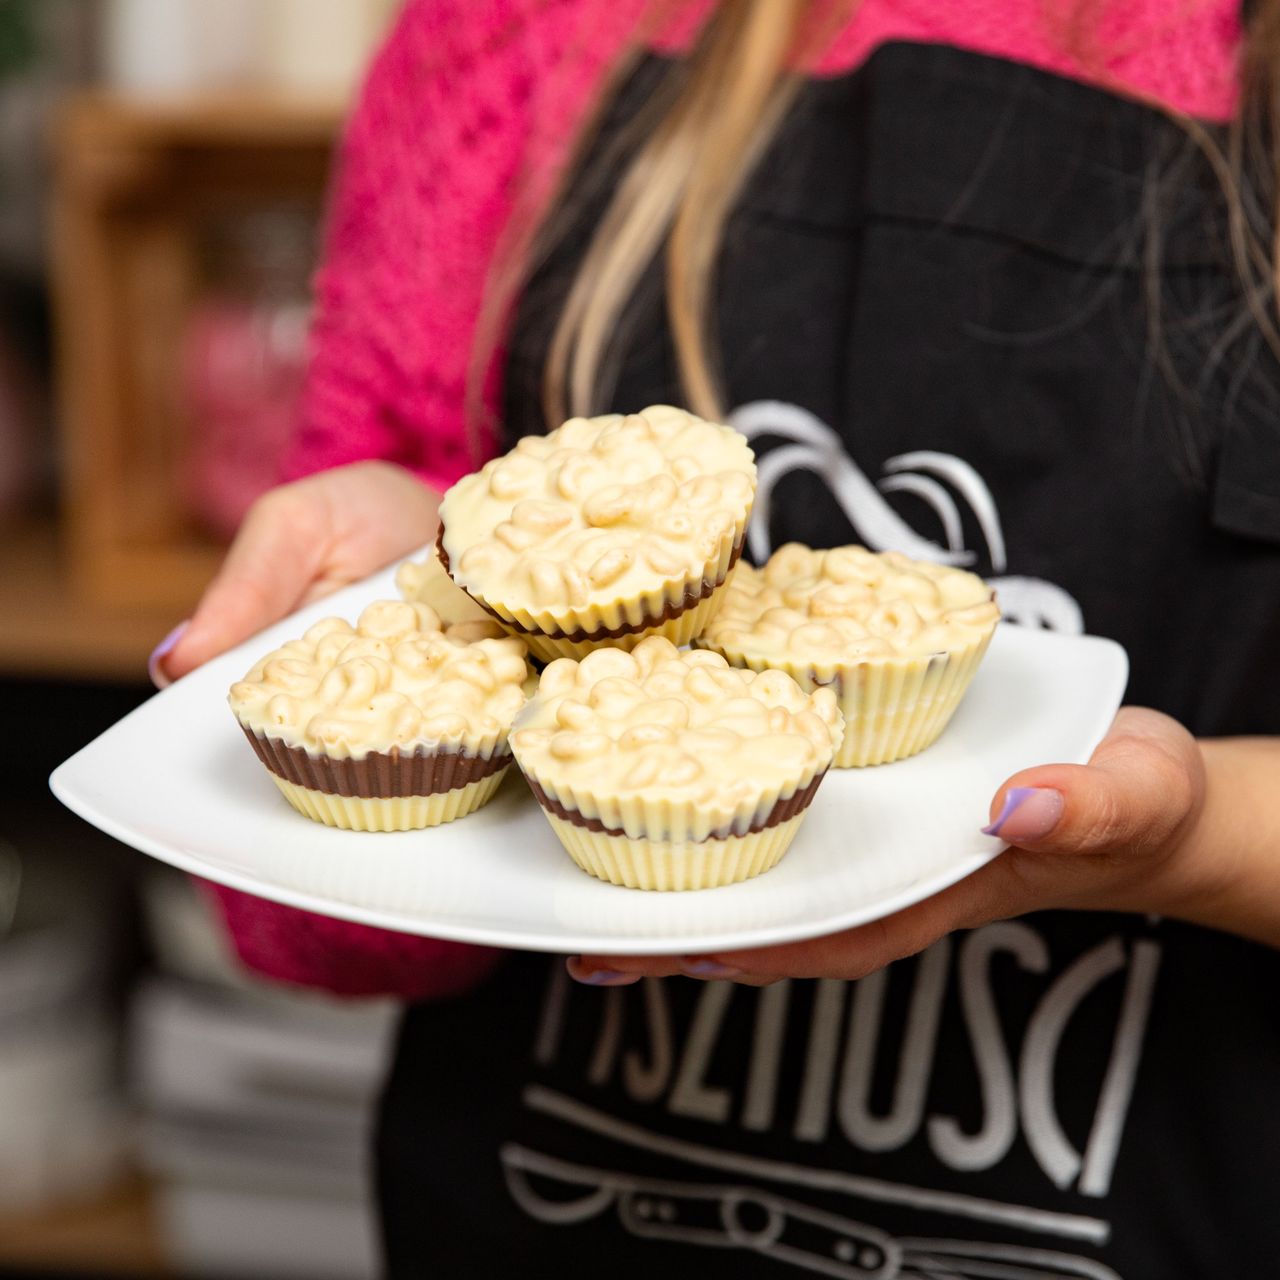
[1143, 783]
[265, 576]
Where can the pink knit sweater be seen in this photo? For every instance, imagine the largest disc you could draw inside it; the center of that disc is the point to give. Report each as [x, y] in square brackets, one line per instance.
[469, 102]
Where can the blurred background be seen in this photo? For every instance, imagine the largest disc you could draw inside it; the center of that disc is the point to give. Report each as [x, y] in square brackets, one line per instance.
[163, 165]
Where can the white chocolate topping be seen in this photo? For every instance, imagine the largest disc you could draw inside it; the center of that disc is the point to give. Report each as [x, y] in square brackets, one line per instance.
[676, 728]
[428, 583]
[395, 679]
[849, 605]
[599, 510]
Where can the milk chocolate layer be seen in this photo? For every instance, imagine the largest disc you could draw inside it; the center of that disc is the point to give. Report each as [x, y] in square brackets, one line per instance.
[381, 775]
[781, 812]
[693, 594]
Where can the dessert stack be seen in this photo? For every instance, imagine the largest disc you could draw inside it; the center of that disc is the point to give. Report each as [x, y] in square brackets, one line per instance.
[603, 549]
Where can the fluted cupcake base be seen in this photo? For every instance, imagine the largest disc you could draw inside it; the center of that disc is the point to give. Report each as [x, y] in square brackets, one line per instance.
[394, 813]
[898, 709]
[673, 865]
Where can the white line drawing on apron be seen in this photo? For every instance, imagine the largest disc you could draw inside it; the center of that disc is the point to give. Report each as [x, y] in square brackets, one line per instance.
[816, 447]
[1070, 1226]
[733, 1216]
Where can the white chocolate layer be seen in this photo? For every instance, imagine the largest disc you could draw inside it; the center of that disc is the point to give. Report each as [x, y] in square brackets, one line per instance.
[680, 630]
[667, 864]
[847, 606]
[599, 510]
[395, 679]
[682, 744]
[426, 582]
[397, 813]
[892, 708]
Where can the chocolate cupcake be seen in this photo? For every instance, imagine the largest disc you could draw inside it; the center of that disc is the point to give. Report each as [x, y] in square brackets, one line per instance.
[667, 770]
[390, 725]
[605, 531]
[897, 640]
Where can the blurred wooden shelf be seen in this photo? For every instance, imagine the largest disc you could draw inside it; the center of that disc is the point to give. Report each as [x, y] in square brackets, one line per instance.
[116, 1234]
[46, 630]
[250, 117]
[141, 186]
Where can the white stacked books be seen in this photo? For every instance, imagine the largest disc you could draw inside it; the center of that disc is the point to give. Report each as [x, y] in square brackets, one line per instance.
[256, 1110]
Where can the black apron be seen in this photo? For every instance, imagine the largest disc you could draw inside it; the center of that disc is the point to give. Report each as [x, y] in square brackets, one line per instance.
[947, 322]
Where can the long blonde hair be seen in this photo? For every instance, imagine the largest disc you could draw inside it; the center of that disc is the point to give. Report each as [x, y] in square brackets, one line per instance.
[702, 138]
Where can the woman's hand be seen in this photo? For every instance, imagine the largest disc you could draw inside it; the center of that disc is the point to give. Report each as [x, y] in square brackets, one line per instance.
[300, 542]
[1133, 830]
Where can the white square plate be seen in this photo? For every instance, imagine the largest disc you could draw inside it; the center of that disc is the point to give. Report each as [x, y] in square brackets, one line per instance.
[177, 780]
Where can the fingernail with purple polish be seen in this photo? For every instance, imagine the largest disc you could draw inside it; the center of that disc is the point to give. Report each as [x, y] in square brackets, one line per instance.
[1029, 813]
[599, 977]
[161, 652]
[703, 968]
